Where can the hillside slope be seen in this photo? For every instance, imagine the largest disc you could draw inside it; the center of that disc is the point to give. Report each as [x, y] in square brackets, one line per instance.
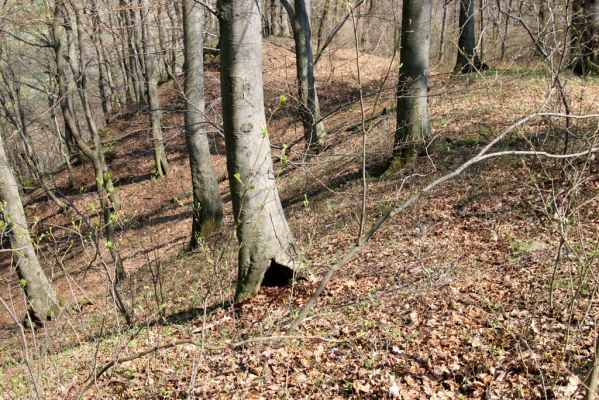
[448, 300]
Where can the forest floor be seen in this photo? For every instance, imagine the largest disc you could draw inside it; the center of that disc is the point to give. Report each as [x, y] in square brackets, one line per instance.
[450, 299]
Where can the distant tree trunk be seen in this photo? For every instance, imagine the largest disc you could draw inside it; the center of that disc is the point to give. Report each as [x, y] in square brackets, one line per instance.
[321, 24]
[481, 20]
[163, 45]
[467, 61]
[101, 62]
[442, 36]
[413, 123]
[506, 27]
[314, 130]
[365, 36]
[123, 58]
[152, 91]
[267, 250]
[207, 205]
[171, 11]
[42, 301]
[134, 64]
[585, 35]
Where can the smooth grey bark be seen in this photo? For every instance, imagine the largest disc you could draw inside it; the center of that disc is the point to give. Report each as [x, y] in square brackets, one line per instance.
[267, 247]
[467, 60]
[413, 123]
[155, 113]
[42, 301]
[585, 35]
[207, 205]
[314, 130]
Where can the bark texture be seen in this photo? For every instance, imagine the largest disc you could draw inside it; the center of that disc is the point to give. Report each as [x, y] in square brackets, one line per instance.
[266, 244]
[412, 88]
[42, 301]
[207, 205]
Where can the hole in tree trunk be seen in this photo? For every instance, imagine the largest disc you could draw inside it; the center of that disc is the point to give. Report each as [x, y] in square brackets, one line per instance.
[277, 275]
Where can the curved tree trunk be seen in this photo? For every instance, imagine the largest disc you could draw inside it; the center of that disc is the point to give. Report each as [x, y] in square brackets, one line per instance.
[152, 91]
[267, 249]
[207, 205]
[314, 130]
[413, 123]
[42, 301]
[467, 60]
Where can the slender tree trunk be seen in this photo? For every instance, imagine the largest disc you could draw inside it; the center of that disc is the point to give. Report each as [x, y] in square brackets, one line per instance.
[413, 123]
[267, 251]
[442, 38]
[101, 63]
[365, 36]
[152, 90]
[124, 59]
[322, 23]
[171, 11]
[481, 20]
[314, 130]
[42, 301]
[207, 205]
[162, 42]
[467, 60]
[505, 32]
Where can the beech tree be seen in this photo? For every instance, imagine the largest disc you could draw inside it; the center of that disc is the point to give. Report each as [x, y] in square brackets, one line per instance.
[267, 249]
[42, 301]
[207, 205]
[413, 123]
[314, 130]
[467, 60]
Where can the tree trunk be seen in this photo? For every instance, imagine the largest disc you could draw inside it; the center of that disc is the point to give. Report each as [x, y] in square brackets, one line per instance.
[413, 123]
[267, 251]
[170, 11]
[585, 35]
[321, 24]
[442, 38]
[314, 130]
[42, 301]
[481, 21]
[207, 205]
[467, 61]
[152, 91]
[505, 32]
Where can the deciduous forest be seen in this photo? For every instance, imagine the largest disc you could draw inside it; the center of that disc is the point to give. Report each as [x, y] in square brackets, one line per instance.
[295, 199]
